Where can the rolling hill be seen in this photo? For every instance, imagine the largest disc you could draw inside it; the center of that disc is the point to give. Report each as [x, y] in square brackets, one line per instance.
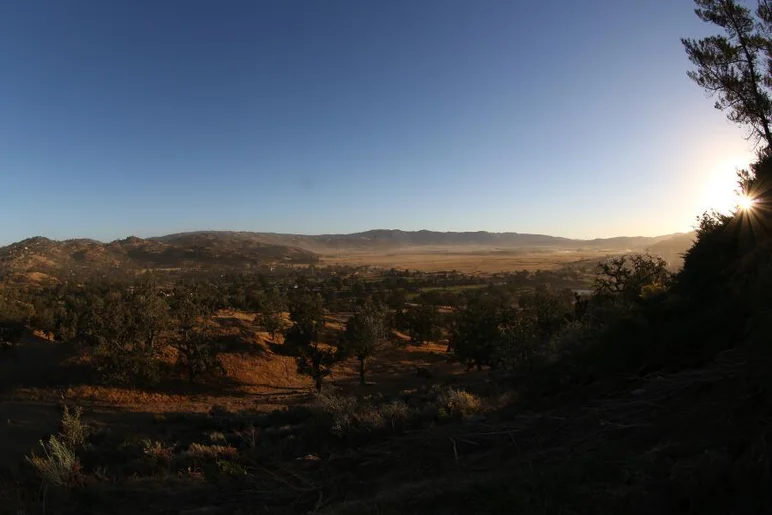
[672, 248]
[39, 258]
[394, 239]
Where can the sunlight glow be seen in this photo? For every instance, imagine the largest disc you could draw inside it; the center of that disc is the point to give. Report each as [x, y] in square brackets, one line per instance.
[745, 203]
[720, 191]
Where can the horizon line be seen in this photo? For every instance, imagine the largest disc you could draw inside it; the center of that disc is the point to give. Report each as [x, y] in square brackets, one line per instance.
[312, 235]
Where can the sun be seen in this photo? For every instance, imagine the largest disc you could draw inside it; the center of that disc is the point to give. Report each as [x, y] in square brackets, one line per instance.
[719, 191]
[745, 203]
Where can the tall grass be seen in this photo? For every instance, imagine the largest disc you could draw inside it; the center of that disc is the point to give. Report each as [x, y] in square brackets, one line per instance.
[59, 466]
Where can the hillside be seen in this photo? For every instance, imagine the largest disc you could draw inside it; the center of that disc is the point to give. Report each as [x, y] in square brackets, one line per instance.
[39, 258]
[672, 248]
[388, 239]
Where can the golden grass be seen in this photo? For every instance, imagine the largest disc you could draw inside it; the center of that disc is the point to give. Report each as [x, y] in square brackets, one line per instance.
[467, 261]
[257, 374]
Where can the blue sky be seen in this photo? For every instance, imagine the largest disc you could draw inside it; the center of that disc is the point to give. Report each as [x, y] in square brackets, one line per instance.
[310, 116]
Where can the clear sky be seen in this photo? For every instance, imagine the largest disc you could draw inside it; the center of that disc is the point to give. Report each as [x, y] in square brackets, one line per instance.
[568, 118]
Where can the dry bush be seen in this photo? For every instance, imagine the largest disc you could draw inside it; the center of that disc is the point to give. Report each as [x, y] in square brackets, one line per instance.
[349, 413]
[211, 452]
[396, 413]
[74, 431]
[59, 466]
[342, 409]
[457, 403]
[217, 437]
[249, 436]
[157, 453]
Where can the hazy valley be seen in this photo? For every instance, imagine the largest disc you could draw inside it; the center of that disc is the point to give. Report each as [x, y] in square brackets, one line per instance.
[39, 258]
[385, 372]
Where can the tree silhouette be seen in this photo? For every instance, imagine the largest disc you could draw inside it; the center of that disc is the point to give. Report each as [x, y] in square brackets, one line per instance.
[736, 66]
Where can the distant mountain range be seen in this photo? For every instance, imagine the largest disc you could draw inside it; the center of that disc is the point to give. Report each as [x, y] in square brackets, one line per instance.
[383, 239]
[39, 257]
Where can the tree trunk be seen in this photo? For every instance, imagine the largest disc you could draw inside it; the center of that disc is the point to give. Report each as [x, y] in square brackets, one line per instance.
[318, 381]
[362, 369]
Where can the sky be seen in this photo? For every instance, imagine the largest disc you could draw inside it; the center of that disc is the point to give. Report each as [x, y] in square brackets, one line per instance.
[146, 117]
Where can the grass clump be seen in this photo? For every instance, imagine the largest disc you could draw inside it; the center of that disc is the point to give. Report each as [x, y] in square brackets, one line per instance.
[348, 414]
[59, 466]
[211, 452]
[351, 414]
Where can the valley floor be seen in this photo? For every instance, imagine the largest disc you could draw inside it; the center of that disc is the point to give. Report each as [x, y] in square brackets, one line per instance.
[464, 259]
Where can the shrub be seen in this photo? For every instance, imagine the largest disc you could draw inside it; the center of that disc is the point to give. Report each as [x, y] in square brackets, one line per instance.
[217, 437]
[349, 413]
[342, 409]
[211, 452]
[395, 413]
[157, 453]
[74, 431]
[59, 466]
[457, 403]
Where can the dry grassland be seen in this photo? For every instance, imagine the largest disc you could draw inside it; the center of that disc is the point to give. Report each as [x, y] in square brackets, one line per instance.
[463, 259]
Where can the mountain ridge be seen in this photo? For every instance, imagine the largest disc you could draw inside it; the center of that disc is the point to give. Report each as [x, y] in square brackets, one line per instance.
[40, 258]
[383, 238]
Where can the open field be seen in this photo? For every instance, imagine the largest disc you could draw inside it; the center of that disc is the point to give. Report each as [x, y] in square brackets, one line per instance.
[464, 259]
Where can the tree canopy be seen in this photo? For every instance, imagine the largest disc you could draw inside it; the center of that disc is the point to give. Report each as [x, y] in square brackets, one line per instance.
[736, 65]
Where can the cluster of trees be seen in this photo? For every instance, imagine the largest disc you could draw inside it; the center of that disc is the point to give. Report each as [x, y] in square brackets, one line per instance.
[492, 331]
[317, 351]
[126, 326]
[129, 325]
